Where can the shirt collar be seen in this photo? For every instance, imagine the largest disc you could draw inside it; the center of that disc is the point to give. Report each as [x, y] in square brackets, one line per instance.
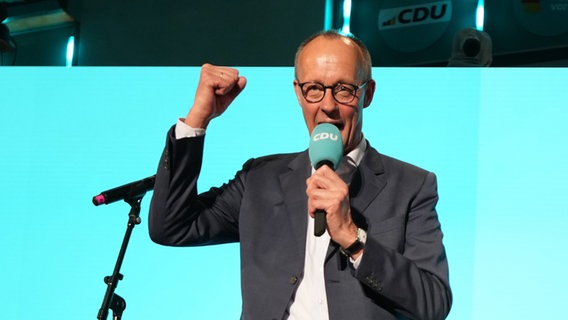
[356, 155]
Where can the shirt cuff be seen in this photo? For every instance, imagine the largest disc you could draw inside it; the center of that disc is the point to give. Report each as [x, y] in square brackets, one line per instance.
[183, 130]
[356, 262]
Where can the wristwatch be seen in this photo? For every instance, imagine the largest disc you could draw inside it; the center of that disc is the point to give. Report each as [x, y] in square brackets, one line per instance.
[357, 245]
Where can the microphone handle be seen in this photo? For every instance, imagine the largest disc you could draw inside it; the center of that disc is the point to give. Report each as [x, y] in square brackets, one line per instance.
[319, 223]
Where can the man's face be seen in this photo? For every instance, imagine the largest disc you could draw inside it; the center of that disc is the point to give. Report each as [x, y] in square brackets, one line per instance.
[332, 61]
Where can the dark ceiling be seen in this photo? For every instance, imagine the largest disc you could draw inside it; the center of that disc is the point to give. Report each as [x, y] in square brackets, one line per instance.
[241, 33]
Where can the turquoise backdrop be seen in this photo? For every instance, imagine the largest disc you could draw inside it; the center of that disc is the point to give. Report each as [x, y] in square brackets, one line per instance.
[494, 137]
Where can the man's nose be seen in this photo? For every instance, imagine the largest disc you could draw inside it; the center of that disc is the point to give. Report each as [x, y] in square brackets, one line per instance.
[328, 103]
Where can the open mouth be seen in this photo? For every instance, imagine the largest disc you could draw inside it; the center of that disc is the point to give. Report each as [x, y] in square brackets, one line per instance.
[337, 125]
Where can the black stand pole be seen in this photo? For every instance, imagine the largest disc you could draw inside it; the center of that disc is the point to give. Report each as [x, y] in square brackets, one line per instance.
[111, 299]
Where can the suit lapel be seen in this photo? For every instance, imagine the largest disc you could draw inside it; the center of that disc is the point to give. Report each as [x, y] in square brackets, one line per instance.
[293, 184]
[366, 184]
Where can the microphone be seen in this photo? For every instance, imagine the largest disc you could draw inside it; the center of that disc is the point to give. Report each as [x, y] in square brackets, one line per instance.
[128, 191]
[326, 148]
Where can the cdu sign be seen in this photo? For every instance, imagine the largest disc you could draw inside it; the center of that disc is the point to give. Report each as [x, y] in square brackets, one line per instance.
[409, 16]
[424, 23]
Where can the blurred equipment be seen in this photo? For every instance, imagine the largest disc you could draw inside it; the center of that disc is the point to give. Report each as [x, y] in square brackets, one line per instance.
[6, 42]
[471, 48]
[35, 32]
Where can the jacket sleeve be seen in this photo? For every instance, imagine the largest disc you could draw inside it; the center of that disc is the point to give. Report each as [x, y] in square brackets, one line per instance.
[411, 280]
[178, 215]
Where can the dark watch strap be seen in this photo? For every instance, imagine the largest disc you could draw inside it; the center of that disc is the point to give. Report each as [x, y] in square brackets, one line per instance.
[352, 249]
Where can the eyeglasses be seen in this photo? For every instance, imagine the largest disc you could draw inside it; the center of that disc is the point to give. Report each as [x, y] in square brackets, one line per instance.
[342, 92]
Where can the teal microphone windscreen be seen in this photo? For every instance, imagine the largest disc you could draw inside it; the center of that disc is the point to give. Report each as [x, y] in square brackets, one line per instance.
[326, 146]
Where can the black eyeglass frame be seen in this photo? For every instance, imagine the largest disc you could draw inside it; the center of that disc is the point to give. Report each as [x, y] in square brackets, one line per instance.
[334, 90]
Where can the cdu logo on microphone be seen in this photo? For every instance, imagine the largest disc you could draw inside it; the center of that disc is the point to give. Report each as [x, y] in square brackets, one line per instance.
[325, 135]
[326, 146]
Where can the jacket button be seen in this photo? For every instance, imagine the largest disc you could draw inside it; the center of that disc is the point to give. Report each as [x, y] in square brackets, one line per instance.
[293, 280]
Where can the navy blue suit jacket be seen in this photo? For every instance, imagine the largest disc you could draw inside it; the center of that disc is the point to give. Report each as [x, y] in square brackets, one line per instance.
[403, 273]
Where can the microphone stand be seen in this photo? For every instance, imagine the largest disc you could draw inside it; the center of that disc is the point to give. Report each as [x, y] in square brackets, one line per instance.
[111, 299]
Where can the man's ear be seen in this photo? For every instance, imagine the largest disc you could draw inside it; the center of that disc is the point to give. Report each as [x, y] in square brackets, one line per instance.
[298, 91]
[369, 92]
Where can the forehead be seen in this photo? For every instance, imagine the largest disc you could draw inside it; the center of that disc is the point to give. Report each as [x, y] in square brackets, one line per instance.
[327, 46]
[324, 54]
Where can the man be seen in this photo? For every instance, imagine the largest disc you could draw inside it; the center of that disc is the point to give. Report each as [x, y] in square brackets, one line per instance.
[381, 256]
